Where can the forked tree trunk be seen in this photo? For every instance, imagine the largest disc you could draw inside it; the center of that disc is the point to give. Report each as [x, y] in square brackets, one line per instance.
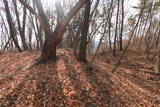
[50, 44]
[52, 39]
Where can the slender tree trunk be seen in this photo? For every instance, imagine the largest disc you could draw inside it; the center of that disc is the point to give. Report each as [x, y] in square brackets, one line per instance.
[121, 34]
[24, 28]
[30, 37]
[109, 30]
[157, 42]
[39, 34]
[132, 34]
[76, 39]
[11, 25]
[139, 32]
[83, 43]
[105, 26]
[115, 36]
[21, 29]
[143, 33]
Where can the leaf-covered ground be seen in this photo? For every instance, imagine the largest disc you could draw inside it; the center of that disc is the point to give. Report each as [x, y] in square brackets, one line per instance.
[69, 83]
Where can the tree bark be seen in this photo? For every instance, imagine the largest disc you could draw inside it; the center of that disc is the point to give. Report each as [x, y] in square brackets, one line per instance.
[157, 42]
[11, 25]
[20, 28]
[52, 39]
[121, 34]
[115, 36]
[109, 29]
[83, 43]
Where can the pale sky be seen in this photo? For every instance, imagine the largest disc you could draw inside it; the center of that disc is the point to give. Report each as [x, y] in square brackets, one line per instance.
[128, 8]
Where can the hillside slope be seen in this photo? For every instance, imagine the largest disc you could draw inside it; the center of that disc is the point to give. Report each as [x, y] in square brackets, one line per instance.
[70, 83]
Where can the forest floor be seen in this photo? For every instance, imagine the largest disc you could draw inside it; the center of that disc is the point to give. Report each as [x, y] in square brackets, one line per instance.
[69, 83]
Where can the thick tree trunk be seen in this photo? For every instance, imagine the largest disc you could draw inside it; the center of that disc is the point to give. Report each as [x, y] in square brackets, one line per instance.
[51, 43]
[52, 39]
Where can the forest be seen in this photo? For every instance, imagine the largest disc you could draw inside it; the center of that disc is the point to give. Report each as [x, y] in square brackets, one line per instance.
[79, 53]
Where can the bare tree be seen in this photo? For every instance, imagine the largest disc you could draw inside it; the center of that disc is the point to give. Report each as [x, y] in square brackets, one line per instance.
[53, 38]
[13, 33]
[115, 36]
[83, 44]
[131, 36]
[21, 28]
[122, 24]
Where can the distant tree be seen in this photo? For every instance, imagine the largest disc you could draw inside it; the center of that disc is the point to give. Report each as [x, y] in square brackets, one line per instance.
[122, 25]
[116, 33]
[12, 28]
[108, 17]
[22, 27]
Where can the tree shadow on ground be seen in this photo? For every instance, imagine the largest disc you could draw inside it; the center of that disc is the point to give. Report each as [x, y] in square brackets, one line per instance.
[62, 83]
[40, 87]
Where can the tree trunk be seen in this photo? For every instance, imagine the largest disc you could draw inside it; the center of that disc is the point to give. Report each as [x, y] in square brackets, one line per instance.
[52, 39]
[21, 29]
[109, 27]
[115, 36]
[11, 25]
[157, 42]
[50, 45]
[121, 34]
[83, 43]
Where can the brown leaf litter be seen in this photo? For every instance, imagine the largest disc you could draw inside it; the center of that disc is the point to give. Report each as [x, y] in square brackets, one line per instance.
[69, 83]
